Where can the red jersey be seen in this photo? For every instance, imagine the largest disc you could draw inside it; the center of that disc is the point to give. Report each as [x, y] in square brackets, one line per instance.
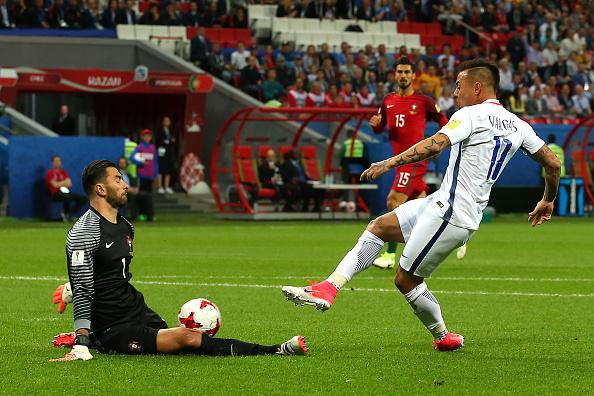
[406, 119]
[58, 176]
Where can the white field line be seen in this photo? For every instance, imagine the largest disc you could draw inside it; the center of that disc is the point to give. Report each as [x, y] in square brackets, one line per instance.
[264, 286]
[388, 275]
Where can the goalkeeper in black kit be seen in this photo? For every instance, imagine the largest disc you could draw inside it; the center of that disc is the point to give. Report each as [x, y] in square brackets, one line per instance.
[109, 313]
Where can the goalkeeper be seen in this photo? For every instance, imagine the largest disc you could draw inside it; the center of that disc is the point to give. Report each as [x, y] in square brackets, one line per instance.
[108, 311]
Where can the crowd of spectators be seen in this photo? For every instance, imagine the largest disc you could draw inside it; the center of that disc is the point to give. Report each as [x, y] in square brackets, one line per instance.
[544, 51]
[106, 14]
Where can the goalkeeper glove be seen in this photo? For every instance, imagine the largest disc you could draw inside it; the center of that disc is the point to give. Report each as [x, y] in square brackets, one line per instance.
[80, 350]
[63, 296]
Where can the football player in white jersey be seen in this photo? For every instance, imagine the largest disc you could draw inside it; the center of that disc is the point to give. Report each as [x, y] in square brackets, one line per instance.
[483, 137]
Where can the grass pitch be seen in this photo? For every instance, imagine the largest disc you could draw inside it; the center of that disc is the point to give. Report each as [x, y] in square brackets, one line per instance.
[523, 298]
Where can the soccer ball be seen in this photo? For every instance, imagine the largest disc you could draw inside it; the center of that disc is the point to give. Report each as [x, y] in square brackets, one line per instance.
[200, 314]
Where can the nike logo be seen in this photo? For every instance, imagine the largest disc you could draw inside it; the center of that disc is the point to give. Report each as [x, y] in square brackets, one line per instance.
[108, 245]
[390, 106]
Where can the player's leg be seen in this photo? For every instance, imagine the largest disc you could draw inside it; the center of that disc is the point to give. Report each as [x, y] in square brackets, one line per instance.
[408, 185]
[431, 241]
[383, 229]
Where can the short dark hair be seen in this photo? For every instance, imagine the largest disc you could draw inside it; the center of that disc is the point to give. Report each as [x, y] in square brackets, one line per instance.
[403, 60]
[482, 70]
[95, 172]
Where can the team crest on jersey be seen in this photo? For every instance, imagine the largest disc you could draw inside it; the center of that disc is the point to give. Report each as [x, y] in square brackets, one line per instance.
[413, 109]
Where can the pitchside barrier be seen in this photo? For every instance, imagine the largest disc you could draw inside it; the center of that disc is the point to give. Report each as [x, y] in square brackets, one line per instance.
[29, 159]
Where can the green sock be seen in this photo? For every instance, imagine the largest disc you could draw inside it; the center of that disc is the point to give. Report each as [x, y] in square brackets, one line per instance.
[392, 247]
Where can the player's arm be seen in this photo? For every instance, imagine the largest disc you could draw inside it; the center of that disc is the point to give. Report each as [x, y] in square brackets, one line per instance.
[378, 121]
[423, 150]
[80, 249]
[552, 167]
[434, 113]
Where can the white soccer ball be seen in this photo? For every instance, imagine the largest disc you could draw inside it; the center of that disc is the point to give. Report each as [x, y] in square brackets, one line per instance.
[200, 314]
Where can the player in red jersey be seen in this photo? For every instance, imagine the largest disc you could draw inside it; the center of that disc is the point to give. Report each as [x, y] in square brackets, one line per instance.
[405, 115]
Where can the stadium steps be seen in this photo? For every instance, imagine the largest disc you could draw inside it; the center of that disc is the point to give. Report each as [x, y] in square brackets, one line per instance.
[183, 203]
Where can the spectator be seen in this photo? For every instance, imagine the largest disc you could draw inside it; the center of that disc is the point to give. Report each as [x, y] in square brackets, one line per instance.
[433, 81]
[297, 96]
[516, 49]
[358, 78]
[380, 93]
[572, 64]
[73, 15]
[582, 77]
[200, 48]
[347, 92]
[270, 177]
[151, 16]
[430, 58]
[145, 158]
[271, 88]
[287, 8]
[517, 104]
[505, 77]
[56, 15]
[298, 67]
[515, 17]
[537, 85]
[315, 9]
[325, 53]
[251, 79]
[295, 177]
[212, 15]
[64, 123]
[532, 35]
[315, 97]
[91, 16]
[397, 12]
[549, 28]
[6, 21]
[446, 58]
[547, 37]
[565, 100]
[349, 65]
[328, 70]
[193, 18]
[570, 43]
[537, 105]
[216, 64]
[310, 58]
[446, 103]
[127, 15]
[488, 20]
[239, 57]
[132, 182]
[34, 16]
[237, 20]
[169, 17]
[109, 16]
[166, 150]
[59, 186]
[284, 74]
[287, 53]
[552, 100]
[365, 98]
[582, 105]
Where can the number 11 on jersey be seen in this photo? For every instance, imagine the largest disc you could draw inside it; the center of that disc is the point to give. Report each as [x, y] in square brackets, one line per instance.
[494, 160]
[124, 267]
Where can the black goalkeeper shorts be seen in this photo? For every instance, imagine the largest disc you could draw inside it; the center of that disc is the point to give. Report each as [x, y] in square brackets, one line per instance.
[135, 338]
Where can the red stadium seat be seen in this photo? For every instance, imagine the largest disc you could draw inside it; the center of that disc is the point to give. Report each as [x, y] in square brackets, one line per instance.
[539, 120]
[212, 35]
[248, 174]
[403, 27]
[185, 7]
[191, 32]
[283, 150]
[244, 35]
[227, 37]
[143, 6]
[262, 150]
[311, 163]
[434, 29]
[418, 28]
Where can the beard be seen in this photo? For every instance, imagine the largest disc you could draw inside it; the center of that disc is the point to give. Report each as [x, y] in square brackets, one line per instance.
[403, 85]
[115, 200]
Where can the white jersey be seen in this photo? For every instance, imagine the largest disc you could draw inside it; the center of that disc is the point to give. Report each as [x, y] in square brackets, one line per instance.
[484, 137]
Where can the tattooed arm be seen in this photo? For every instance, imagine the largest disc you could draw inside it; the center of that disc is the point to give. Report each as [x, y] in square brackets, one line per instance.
[421, 151]
[552, 166]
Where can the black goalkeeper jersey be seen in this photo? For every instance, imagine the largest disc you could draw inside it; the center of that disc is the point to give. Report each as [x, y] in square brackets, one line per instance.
[99, 254]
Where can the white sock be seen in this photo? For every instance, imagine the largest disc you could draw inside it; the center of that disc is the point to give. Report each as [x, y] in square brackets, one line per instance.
[427, 309]
[358, 259]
